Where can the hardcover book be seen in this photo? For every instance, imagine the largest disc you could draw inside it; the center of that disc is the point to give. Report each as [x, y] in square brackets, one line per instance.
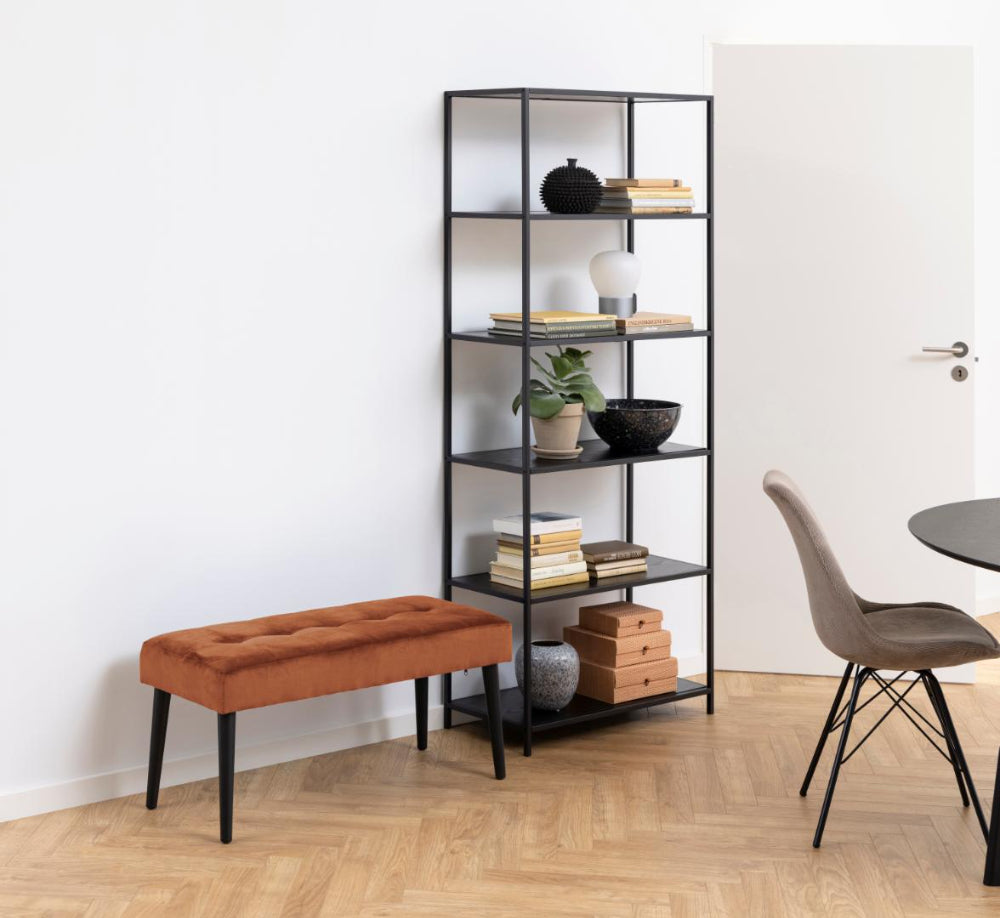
[539, 573]
[647, 191]
[543, 522]
[582, 577]
[644, 210]
[643, 329]
[641, 318]
[548, 317]
[568, 539]
[633, 203]
[514, 559]
[643, 182]
[598, 332]
[639, 567]
[559, 329]
[612, 550]
[615, 565]
[507, 545]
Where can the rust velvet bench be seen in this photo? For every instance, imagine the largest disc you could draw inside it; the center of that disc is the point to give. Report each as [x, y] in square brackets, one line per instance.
[241, 665]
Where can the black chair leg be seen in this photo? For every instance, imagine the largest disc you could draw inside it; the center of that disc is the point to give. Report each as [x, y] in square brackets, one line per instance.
[992, 873]
[421, 692]
[491, 682]
[227, 768]
[947, 738]
[859, 680]
[157, 742]
[827, 727]
[952, 734]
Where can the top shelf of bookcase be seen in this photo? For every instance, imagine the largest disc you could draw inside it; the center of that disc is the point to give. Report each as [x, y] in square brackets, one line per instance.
[545, 215]
[574, 95]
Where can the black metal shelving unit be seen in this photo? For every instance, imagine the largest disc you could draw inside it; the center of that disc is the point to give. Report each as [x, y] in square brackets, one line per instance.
[517, 711]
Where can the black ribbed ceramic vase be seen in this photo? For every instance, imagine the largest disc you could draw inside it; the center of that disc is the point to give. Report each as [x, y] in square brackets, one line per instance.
[571, 189]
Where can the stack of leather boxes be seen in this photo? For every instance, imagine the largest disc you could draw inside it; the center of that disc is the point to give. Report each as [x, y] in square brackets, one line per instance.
[624, 652]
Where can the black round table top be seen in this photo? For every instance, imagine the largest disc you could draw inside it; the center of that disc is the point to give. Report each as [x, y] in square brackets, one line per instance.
[967, 531]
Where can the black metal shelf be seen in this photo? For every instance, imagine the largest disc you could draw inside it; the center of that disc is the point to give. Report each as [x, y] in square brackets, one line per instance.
[484, 337]
[578, 711]
[544, 215]
[658, 570]
[517, 708]
[596, 453]
[534, 94]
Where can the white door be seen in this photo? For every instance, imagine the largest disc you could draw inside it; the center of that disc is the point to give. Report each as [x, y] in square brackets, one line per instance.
[844, 244]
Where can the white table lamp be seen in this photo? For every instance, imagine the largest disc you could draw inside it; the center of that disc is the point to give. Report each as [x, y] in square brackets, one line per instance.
[615, 275]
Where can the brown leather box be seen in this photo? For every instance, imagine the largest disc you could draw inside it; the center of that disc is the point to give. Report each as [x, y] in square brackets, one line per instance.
[627, 682]
[620, 619]
[622, 651]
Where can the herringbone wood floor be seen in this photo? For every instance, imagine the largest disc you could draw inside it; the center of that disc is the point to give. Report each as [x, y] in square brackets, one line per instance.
[670, 814]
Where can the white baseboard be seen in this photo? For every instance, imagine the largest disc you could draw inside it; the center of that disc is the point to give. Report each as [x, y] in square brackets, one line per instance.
[106, 786]
[987, 605]
[91, 789]
[691, 666]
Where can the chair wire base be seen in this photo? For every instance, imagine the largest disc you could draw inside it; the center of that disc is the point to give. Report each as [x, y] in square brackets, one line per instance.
[841, 718]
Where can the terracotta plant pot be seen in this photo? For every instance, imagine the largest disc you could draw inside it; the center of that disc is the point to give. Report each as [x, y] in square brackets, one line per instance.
[559, 433]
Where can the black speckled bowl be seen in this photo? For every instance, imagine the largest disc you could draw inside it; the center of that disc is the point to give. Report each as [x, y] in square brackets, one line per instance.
[635, 425]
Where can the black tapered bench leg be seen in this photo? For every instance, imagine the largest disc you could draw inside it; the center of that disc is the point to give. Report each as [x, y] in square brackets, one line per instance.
[421, 691]
[491, 682]
[157, 742]
[227, 768]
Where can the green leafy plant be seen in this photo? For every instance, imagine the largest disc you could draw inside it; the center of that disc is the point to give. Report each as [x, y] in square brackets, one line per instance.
[568, 381]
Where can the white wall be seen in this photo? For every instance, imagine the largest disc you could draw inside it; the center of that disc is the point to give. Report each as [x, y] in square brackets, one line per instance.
[199, 204]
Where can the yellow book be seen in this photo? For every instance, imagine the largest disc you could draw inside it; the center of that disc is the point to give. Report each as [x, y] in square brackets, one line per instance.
[544, 538]
[582, 577]
[548, 317]
[553, 548]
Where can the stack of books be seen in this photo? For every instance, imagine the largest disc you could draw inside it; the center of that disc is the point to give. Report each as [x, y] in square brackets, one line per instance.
[645, 196]
[556, 323]
[653, 322]
[614, 558]
[624, 652]
[554, 551]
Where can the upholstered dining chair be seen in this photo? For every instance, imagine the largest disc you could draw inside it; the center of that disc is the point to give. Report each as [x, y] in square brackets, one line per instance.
[909, 637]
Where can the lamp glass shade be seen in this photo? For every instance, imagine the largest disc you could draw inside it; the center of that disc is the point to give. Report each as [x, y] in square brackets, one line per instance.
[615, 275]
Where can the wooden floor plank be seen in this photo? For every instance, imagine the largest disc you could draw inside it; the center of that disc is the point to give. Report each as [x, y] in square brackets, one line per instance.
[670, 813]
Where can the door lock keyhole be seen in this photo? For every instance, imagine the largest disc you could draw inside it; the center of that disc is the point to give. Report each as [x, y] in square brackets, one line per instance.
[959, 373]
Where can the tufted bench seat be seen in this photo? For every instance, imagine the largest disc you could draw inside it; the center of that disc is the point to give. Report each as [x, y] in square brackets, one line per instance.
[263, 661]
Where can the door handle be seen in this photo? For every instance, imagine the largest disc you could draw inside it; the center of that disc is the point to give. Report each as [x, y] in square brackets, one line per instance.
[958, 349]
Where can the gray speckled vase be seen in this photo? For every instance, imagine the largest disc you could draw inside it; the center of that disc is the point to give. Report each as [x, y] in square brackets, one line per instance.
[555, 673]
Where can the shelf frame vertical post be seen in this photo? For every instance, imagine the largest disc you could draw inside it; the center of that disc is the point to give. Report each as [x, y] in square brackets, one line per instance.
[525, 407]
[446, 528]
[630, 345]
[710, 407]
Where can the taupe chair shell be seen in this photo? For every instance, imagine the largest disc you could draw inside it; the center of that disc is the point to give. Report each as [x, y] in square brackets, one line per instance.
[909, 637]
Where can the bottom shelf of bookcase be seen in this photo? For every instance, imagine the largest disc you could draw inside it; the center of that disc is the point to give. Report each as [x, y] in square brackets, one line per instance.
[578, 711]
